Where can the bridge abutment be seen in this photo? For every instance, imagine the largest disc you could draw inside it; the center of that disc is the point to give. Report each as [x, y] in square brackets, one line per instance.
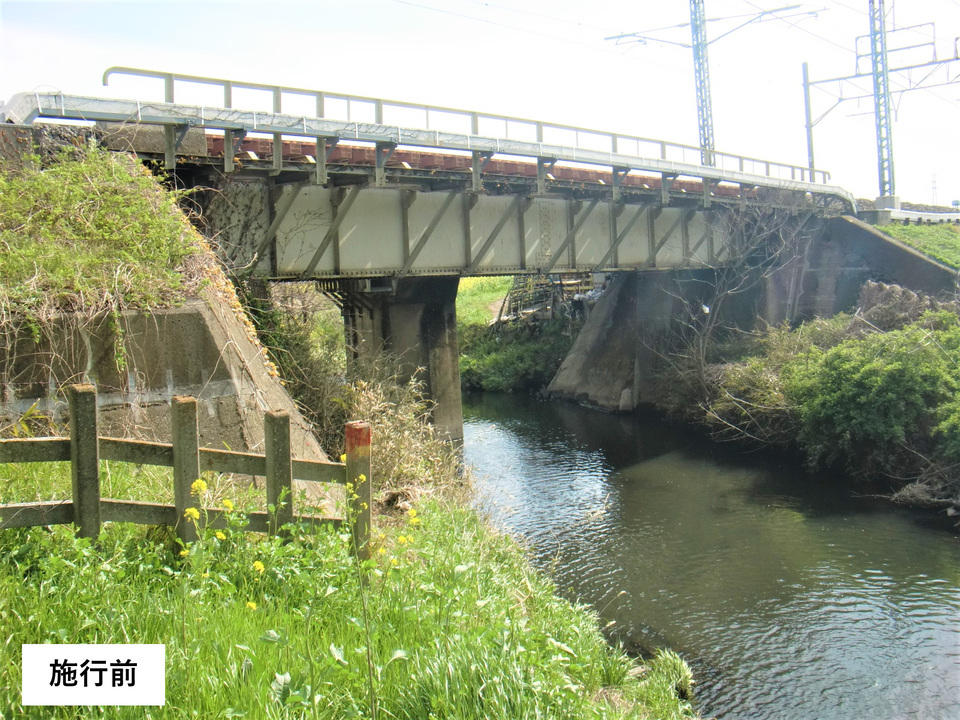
[416, 321]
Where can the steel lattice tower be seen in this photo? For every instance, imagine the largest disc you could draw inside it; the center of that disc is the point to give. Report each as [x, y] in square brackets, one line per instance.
[881, 97]
[701, 69]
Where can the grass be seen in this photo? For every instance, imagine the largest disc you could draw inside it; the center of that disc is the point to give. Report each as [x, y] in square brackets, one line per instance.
[447, 620]
[941, 242]
[92, 232]
[476, 295]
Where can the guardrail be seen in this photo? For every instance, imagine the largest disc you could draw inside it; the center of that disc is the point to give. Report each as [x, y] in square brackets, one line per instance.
[84, 450]
[360, 108]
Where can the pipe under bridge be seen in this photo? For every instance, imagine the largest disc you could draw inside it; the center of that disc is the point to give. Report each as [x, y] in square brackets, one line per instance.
[390, 214]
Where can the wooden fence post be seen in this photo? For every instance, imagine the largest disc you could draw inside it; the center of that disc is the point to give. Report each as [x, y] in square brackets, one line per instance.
[276, 450]
[359, 483]
[85, 460]
[186, 462]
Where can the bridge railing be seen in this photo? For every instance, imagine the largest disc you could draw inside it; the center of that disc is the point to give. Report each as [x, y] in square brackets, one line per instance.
[340, 106]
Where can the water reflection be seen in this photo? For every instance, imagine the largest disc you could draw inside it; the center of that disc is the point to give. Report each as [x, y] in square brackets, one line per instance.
[790, 596]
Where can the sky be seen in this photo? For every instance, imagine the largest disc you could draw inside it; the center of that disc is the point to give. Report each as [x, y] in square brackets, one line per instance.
[541, 59]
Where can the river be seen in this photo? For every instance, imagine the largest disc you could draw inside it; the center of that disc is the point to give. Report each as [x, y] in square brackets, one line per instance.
[790, 595]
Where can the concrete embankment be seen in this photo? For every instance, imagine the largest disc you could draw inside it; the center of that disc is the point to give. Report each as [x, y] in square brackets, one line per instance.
[612, 362]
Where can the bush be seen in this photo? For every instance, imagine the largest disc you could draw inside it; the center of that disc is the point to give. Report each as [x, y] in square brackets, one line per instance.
[872, 402]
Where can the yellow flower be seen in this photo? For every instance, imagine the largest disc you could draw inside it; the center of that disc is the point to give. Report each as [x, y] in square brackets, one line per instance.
[192, 514]
[402, 540]
[199, 487]
[184, 553]
[361, 478]
[414, 520]
[228, 504]
[258, 566]
[221, 536]
[394, 561]
[382, 551]
[343, 458]
[412, 512]
[251, 605]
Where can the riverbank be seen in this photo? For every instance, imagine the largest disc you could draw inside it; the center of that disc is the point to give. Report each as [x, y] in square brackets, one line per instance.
[256, 627]
[266, 629]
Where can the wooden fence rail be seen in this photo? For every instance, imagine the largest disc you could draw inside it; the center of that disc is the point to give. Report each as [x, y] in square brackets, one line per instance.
[84, 450]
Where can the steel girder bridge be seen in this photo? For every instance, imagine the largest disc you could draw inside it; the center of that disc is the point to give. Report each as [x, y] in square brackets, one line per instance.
[361, 187]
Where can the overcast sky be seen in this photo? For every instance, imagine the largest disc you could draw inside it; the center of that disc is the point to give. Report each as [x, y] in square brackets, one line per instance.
[542, 59]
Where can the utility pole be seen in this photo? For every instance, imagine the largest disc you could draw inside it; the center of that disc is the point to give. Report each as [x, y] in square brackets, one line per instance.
[701, 64]
[880, 84]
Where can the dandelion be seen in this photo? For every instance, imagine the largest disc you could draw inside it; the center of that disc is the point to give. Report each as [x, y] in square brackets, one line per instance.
[220, 536]
[412, 512]
[258, 566]
[402, 540]
[228, 504]
[192, 514]
[382, 551]
[199, 487]
[414, 520]
[251, 605]
[394, 561]
[184, 553]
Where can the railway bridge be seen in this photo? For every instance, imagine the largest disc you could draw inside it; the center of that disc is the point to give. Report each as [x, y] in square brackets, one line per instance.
[387, 204]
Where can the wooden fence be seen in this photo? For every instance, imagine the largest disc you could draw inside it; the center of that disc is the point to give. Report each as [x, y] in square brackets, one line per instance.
[84, 450]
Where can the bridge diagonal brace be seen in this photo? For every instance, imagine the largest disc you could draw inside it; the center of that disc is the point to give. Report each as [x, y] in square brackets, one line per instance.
[622, 236]
[488, 243]
[422, 242]
[666, 182]
[283, 206]
[681, 218]
[581, 220]
[332, 231]
[707, 233]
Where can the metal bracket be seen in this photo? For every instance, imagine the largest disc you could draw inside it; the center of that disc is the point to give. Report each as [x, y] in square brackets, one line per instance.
[708, 186]
[173, 136]
[384, 153]
[544, 166]
[666, 182]
[619, 173]
[480, 160]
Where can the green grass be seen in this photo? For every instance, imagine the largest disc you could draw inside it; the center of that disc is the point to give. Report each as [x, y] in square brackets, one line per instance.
[91, 232]
[475, 296]
[447, 620]
[941, 242]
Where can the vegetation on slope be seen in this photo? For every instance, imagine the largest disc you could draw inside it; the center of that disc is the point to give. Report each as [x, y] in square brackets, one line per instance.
[941, 242]
[91, 232]
[508, 357]
[874, 394]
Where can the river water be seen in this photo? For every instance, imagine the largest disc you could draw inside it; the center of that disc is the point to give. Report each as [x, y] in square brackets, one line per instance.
[789, 595]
